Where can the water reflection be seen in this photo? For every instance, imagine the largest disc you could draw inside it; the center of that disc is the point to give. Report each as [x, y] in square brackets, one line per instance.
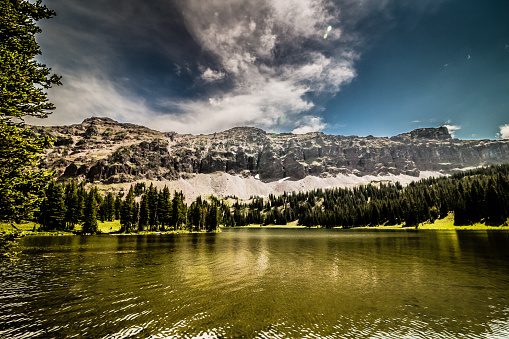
[260, 283]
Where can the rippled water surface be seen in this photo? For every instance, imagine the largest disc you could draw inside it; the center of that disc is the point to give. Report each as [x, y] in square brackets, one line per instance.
[259, 283]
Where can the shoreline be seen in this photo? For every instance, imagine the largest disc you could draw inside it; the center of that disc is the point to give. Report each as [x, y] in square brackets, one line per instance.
[445, 224]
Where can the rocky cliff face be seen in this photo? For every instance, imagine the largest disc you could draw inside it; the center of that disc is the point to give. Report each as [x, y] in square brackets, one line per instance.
[101, 149]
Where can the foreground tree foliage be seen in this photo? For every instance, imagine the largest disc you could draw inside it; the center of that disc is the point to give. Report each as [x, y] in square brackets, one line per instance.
[23, 85]
[21, 182]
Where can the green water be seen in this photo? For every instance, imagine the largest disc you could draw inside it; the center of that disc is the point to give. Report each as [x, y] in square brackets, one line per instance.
[260, 283]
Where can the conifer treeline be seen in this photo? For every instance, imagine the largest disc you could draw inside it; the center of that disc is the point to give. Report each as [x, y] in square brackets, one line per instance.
[473, 196]
[65, 206]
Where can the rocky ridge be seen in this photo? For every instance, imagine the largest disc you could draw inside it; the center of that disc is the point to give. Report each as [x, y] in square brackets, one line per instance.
[103, 150]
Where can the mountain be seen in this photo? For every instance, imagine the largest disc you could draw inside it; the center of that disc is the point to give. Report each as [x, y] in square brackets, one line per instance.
[106, 151]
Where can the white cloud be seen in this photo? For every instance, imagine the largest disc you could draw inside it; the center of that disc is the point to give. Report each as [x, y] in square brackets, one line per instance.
[269, 57]
[87, 94]
[452, 128]
[504, 132]
[258, 47]
[210, 76]
[262, 55]
[310, 124]
[261, 104]
[271, 52]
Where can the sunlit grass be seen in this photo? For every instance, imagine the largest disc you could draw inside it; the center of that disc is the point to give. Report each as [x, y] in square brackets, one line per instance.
[447, 223]
[23, 227]
[31, 227]
[109, 226]
[293, 224]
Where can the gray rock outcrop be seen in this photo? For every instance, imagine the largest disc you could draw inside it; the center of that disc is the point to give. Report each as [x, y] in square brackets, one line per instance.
[101, 149]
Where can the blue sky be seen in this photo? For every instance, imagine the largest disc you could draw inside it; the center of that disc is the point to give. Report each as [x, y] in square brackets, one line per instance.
[193, 66]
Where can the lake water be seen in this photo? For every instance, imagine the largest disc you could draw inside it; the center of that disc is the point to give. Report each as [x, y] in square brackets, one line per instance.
[264, 283]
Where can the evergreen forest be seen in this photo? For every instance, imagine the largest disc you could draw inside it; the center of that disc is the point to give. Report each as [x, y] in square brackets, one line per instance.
[480, 195]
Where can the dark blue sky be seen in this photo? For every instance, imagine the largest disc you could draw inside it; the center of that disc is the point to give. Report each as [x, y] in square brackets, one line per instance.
[386, 67]
[449, 66]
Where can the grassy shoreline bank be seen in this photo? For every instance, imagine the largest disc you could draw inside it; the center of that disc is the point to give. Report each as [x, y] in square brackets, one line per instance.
[445, 224]
[113, 228]
[108, 227]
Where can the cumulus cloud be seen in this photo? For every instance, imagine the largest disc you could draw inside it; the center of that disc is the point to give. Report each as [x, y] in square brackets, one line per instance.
[262, 53]
[504, 132]
[452, 128]
[262, 63]
[310, 124]
[88, 94]
[211, 76]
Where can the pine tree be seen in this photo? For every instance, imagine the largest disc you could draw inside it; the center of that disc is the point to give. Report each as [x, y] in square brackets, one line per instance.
[164, 208]
[72, 202]
[129, 213]
[152, 201]
[212, 219]
[495, 210]
[196, 213]
[82, 195]
[109, 207]
[145, 210]
[52, 215]
[23, 84]
[118, 207]
[178, 210]
[90, 224]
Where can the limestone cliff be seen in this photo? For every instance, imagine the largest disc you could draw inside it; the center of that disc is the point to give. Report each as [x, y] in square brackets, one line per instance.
[101, 149]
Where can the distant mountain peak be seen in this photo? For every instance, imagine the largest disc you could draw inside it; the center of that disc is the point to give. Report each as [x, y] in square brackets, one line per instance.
[440, 133]
[96, 120]
[101, 149]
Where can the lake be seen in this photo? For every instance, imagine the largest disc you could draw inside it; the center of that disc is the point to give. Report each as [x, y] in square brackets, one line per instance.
[263, 283]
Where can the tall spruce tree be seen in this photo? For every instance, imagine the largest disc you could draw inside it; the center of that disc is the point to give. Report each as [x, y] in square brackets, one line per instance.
[164, 208]
[90, 224]
[109, 207]
[129, 212]
[52, 215]
[212, 219]
[118, 207]
[23, 86]
[152, 200]
[145, 210]
[195, 212]
[495, 210]
[178, 210]
[72, 202]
